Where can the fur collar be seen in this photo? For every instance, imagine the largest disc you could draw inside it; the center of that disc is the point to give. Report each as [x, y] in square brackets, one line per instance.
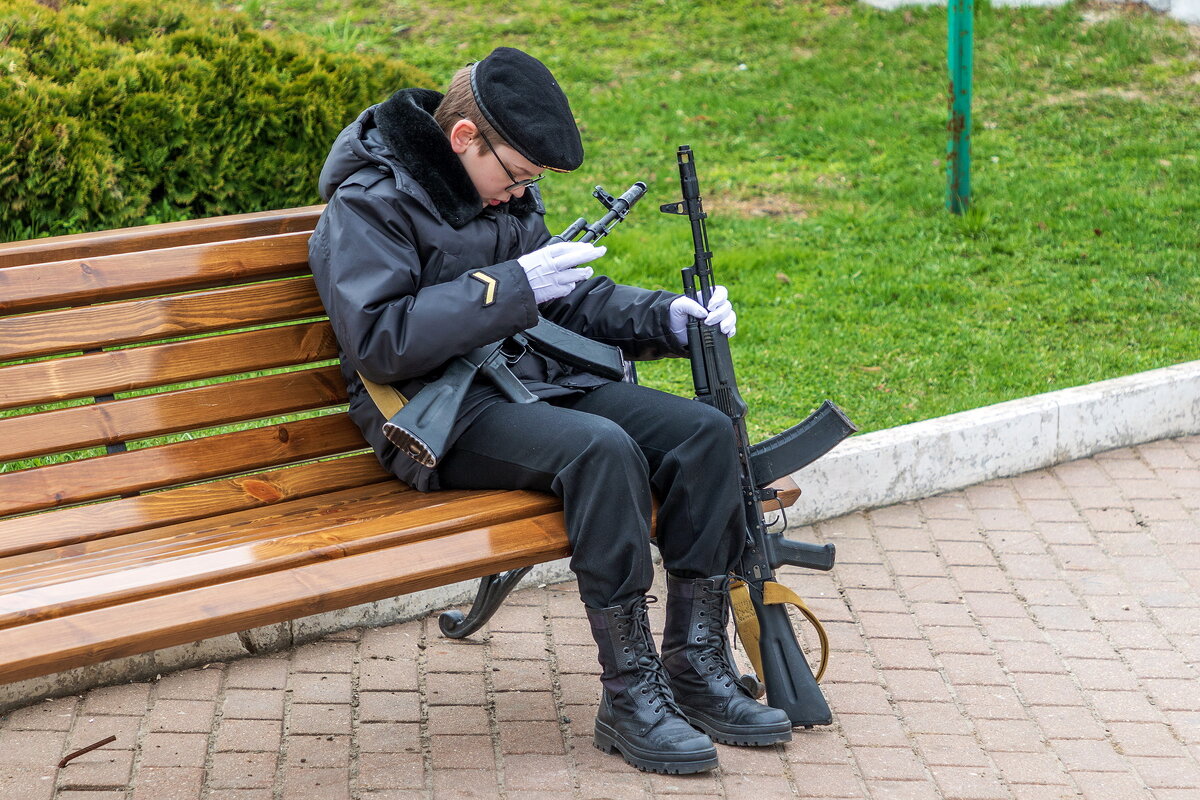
[406, 123]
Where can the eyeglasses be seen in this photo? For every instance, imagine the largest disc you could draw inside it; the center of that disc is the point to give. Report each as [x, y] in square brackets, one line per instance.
[516, 184]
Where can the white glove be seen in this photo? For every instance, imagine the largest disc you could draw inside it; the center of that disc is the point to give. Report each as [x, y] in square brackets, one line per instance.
[551, 270]
[719, 312]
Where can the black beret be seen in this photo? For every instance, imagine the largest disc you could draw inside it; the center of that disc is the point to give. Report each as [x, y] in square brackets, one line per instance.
[520, 99]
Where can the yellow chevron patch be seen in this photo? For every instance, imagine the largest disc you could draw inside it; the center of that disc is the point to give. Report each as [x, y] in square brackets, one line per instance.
[489, 295]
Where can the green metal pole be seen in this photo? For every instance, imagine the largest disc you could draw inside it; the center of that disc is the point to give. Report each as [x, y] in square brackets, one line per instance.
[960, 59]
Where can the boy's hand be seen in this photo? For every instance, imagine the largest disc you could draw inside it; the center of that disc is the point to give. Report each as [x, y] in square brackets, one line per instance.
[719, 312]
[552, 270]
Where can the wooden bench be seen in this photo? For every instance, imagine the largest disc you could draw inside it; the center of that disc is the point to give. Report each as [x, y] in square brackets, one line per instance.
[176, 460]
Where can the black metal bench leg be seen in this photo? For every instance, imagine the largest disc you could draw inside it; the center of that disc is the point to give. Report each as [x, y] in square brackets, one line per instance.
[492, 591]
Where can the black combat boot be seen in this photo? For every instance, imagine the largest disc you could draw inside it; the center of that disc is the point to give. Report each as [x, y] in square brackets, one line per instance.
[703, 678]
[637, 716]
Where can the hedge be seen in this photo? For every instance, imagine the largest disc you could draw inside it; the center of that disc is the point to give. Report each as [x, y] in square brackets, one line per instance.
[119, 112]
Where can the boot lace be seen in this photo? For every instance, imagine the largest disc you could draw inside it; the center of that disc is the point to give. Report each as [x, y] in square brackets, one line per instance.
[653, 675]
[714, 643]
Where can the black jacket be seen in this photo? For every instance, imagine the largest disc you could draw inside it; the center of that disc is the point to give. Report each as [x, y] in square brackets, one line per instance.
[393, 256]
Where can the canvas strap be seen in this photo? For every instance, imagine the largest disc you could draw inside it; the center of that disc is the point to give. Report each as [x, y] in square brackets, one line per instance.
[746, 619]
[386, 398]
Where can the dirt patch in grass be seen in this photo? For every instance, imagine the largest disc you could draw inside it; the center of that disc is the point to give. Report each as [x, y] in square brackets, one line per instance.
[1074, 97]
[754, 207]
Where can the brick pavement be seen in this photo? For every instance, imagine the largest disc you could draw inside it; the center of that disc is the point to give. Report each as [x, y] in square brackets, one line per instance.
[1035, 638]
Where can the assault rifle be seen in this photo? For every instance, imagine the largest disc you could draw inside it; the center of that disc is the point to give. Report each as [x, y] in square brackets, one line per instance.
[421, 428]
[790, 684]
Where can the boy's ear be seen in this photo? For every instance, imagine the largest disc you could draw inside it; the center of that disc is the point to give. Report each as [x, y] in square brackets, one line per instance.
[462, 134]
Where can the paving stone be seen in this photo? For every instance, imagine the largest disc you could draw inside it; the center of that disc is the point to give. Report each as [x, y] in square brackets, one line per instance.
[317, 687]
[309, 784]
[891, 763]
[128, 700]
[755, 787]
[99, 768]
[326, 752]
[899, 654]
[323, 656]
[48, 715]
[463, 752]
[378, 771]
[311, 718]
[256, 673]
[1090, 755]
[902, 790]
[27, 783]
[469, 784]
[174, 750]
[523, 737]
[181, 716]
[1062, 722]
[32, 749]
[249, 735]
[545, 773]
[168, 783]
[253, 704]
[192, 684]
[1109, 786]
[916, 685]
[389, 707]
[939, 750]
[1048, 690]
[969, 783]
[88, 730]
[877, 730]
[242, 771]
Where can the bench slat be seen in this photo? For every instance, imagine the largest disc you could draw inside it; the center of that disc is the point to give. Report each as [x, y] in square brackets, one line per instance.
[127, 322]
[183, 538]
[177, 463]
[312, 532]
[41, 648]
[161, 364]
[102, 279]
[157, 414]
[152, 237]
[71, 526]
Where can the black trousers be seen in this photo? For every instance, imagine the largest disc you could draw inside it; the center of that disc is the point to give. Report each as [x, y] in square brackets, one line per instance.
[603, 453]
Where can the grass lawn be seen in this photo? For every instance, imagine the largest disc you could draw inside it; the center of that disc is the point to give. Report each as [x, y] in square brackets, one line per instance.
[819, 133]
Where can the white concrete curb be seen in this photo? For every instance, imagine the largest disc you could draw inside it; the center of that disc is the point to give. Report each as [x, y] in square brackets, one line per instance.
[952, 452]
[867, 471]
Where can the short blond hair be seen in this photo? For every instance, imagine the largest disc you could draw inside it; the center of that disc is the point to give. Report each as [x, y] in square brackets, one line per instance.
[459, 103]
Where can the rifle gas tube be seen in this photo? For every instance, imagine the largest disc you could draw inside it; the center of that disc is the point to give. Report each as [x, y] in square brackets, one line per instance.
[790, 683]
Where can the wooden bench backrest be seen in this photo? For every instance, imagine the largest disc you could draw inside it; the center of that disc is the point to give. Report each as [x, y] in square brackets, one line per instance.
[165, 356]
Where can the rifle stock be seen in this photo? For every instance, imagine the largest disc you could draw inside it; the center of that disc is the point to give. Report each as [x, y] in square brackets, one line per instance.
[789, 679]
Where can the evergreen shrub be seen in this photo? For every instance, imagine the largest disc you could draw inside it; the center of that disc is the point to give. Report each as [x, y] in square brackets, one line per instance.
[120, 112]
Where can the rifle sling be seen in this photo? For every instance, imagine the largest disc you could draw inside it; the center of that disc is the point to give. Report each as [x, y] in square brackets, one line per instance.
[557, 341]
[387, 398]
[746, 620]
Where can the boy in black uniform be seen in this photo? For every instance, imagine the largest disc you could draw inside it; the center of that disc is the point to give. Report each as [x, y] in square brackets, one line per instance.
[433, 243]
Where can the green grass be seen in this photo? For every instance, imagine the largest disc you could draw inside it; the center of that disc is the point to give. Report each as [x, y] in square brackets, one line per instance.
[819, 133]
